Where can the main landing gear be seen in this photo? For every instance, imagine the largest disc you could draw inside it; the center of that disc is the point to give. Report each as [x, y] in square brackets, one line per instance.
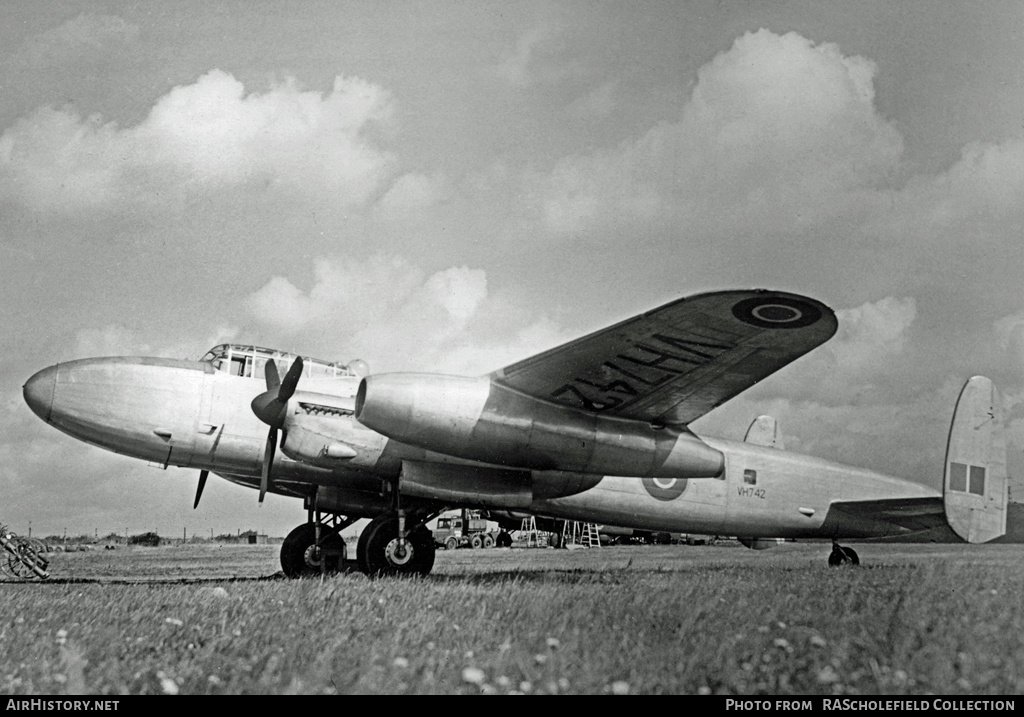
[397, 542]
[379, 551]
[303, 555]
[842, 556]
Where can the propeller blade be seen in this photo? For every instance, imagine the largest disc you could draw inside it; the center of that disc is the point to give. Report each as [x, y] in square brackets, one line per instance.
[268, 460]
[291, 380]
[203, 475]
[273, 378]
[271, 405]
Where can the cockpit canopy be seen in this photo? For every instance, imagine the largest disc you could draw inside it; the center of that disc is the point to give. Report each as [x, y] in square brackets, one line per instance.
[251, 361]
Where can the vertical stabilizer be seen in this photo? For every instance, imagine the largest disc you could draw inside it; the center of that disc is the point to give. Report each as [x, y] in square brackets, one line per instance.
[975, 485]
[764, 431]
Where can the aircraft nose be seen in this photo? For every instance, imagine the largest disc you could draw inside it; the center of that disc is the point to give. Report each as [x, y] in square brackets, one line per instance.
[39, 391]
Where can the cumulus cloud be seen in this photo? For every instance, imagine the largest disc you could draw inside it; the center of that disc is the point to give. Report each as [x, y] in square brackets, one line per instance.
[774, 126]
[389, 312]
[871, 334]
[349, 295]
[382, 307]
[976, 201]
[201, 137]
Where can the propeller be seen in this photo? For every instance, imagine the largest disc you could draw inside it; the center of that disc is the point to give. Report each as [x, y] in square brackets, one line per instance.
[271, 407]
[203, 475]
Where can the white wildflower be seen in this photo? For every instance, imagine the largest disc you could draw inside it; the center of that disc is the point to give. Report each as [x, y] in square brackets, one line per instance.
[473, 675]
[169, 686]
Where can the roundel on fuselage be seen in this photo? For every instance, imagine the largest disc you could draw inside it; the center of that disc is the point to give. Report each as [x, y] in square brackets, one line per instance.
[777, 312]
[665, 488]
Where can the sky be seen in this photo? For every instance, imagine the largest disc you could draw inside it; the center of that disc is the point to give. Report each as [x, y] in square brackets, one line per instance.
[453, 186]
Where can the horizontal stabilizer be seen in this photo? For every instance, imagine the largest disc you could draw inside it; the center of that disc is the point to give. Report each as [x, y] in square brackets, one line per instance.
[764, 431]
[975, 484]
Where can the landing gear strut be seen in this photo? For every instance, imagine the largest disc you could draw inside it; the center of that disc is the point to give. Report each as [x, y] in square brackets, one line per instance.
[842, 556]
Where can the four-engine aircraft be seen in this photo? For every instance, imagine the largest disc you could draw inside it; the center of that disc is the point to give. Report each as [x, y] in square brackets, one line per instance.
[594, 430]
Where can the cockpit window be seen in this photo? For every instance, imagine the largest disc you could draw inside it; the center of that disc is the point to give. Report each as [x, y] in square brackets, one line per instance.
[251, 362]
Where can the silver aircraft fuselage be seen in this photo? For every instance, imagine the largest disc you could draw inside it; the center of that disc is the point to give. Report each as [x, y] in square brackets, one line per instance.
[187, 414]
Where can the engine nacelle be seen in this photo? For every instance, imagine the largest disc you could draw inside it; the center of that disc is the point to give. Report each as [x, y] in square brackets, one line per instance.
[475, 419]
[320, 430]
[489, 486]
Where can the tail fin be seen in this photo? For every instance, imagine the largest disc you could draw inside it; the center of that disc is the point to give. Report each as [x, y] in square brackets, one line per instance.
[975, 484]
[764, 431]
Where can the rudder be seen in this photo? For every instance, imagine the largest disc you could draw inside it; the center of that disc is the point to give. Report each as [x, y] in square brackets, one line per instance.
[975, 485]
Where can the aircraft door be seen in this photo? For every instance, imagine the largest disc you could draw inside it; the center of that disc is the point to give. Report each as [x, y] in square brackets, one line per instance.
[229, 437]
[177, 425]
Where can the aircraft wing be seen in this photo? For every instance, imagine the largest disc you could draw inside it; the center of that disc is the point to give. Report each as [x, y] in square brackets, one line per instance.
[675, 363]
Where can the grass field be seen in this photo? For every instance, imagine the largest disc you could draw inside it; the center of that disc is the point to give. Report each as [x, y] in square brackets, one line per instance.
[911, 620]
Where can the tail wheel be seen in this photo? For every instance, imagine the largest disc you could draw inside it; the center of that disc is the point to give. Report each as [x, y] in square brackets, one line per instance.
[380, 553]
[300, 557]
[843, 556]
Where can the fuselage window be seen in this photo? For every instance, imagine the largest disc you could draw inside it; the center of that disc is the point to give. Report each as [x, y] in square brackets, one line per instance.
[261, 365]
[977, 484]
[750, 477]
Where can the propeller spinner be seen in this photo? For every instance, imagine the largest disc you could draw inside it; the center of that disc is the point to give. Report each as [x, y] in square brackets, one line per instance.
[271, 407]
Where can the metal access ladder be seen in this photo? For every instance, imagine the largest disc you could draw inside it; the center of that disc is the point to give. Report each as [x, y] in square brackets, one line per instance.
[26, 557]
[532, 537]
[580, 535]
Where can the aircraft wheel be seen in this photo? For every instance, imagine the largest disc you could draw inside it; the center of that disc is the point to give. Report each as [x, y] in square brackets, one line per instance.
[504, 540]
[452, 543]
[380, 554]
[843, 556]
[476, 542]
[299, 558]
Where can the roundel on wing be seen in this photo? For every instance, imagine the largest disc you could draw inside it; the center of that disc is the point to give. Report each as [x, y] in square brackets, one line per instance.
[776, 312]
[665, 488]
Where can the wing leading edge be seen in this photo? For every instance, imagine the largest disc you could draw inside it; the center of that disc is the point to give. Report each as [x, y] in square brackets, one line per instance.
[675, 363]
